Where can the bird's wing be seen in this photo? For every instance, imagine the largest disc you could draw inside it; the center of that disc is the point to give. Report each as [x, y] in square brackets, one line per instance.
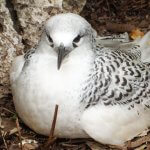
[145, 47]
[130, 48]
[123, 79]
[19, 64]
[139, 48]
[16, 68]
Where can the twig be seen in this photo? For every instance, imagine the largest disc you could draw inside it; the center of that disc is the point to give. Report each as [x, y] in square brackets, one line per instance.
[116, 147]
[8, 111]
[51, 135]
[6, 146]
[115, 27]
[18, 128]
[51, 138]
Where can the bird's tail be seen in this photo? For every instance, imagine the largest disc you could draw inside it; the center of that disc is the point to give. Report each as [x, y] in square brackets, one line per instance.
[145, 47]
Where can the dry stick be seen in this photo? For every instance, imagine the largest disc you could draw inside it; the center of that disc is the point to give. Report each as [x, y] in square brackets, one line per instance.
[115, 27]
[51, 138]
[18, 128]
[8, 111]
[6, 146]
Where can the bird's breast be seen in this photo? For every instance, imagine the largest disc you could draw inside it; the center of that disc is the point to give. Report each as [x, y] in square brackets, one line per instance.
[41, 86]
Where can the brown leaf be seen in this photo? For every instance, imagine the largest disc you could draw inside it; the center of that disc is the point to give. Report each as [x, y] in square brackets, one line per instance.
[29, 146]
[14, 130]
[8, 124]
[136, 33]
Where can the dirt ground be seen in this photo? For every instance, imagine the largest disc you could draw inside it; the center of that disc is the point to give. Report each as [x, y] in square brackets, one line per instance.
[125, 16]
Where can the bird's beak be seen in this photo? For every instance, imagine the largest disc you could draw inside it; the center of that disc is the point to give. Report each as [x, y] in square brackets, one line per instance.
[61, 55]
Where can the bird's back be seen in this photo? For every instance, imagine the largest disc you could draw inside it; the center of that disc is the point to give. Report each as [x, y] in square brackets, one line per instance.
[118, 77]
[116, 97]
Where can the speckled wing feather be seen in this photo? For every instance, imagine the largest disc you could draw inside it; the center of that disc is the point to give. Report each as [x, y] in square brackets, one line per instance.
[121, 42]
[118, 78]
[130, 48]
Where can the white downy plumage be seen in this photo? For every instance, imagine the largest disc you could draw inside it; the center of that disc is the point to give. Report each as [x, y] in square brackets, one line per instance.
[102, 92]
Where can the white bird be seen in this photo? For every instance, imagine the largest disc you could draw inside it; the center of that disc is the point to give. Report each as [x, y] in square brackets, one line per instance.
[102, 93]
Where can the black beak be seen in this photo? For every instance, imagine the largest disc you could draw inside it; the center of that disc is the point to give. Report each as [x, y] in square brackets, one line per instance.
[61, 55]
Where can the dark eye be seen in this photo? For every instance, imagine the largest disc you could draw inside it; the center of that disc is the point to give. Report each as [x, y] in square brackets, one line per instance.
[50, 39]
[74, 45]
[77, 39]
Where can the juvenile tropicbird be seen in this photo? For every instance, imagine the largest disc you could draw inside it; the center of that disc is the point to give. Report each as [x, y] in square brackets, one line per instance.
[101, 93]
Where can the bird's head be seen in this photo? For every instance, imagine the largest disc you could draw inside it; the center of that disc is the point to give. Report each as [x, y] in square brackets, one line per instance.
[65, 33]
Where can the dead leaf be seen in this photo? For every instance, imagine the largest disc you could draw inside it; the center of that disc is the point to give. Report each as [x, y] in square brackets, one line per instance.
[14, 130]
[136, 33]
[8, 124]
[28, 144]
[31, 146]
[29, 141]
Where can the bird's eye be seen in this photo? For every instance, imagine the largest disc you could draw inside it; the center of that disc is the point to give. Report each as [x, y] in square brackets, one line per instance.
[50, 39]
[77, 39]
[74, 45]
